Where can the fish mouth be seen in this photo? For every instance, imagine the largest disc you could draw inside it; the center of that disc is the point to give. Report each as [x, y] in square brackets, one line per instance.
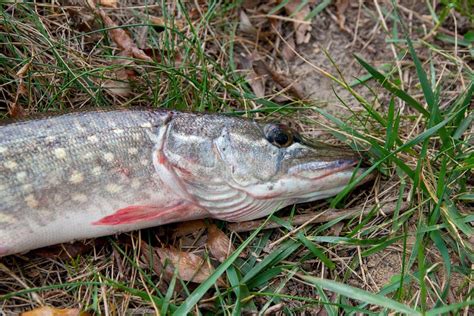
[317, 170]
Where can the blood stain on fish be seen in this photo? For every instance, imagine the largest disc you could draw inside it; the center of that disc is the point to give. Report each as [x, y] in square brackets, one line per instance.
[138, 213]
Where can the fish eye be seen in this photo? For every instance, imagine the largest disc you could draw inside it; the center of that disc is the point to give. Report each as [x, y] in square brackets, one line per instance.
[280, 135]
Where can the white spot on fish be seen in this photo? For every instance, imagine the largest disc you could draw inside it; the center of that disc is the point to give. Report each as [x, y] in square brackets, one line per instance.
[50, 139]
[145, 162]
[146, 125]
[109, 157]
[88, 155]
[3, 150]
[60, 153]
[79, 126]
[10, 164]
[31, 201]
[21, 176]
[7, 219]
[135, 184]
[136, 136]
[97, 170]
[132, 150]
[79, 197]
[113, 188]
[93, 139]
[76, 177]
[118, 131]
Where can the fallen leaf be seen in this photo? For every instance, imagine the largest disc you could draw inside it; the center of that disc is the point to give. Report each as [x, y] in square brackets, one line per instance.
[15, 110]
[165, 23]
[218, 243]
[283, 80]
[118, 35]
[288, 51]
[190, 267]
[256, 82]
[119, 84]
[151, 260]
[118, 81]
[341, 6]
[22, 71]
[108, 3]
[51, 311]
[189, 227]
[245, 25]
[298, 14]
[336, 229]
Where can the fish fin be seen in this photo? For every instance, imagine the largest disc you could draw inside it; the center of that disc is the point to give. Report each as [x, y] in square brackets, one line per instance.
[139, 213]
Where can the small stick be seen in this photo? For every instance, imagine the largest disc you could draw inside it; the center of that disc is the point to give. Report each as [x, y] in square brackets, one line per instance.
[327, 216]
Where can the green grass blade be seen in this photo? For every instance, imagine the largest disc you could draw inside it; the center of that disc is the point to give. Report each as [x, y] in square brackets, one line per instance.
[361, 295]
[449, 309]
[391, 87]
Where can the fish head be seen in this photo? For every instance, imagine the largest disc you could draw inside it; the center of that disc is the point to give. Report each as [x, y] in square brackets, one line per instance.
[241, 170]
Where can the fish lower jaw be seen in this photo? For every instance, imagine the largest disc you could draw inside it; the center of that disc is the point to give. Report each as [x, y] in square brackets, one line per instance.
[314, 196]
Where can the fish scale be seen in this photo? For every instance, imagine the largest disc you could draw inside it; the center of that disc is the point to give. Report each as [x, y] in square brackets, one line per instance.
[90, 174]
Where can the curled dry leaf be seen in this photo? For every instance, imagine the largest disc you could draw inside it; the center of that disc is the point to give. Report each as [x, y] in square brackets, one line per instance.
[302, 28]
[119, 84]
[190, 267]
[256, 82]
[161, 21]
[288, 51]
[341, 6]
[51, 311]
[189, 227]
[218, 243]
[118, 35]
[15, 110]
[108, 3]
[245, 25]
[150, 259]
[283, 80]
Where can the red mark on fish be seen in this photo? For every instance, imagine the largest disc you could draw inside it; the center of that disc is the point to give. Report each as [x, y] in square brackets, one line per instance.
[138, 213]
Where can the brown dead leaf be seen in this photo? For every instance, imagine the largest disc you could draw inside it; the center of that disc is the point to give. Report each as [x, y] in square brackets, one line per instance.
[302, 27]
[119, 84]
[51, 311]
[189, 227]
[256, 82]
[283, 80]
[245, 25]
[218, 243]
[108, 3]
[190, 267]
[15, 110]
[341, 6]
[150, 259]
[288, 51]
[162, 22]
[24, 69]
[118, 35]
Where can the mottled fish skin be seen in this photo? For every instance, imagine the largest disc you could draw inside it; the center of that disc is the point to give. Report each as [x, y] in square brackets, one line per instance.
[90, 174]
[78, 164]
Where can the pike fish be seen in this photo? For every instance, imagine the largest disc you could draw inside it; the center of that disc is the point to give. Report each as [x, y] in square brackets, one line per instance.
[91, 174]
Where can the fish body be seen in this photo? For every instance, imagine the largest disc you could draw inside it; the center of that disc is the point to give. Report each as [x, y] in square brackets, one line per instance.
[90, 174]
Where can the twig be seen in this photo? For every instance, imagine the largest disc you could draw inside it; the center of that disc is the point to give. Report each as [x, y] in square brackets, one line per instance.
[329, 215]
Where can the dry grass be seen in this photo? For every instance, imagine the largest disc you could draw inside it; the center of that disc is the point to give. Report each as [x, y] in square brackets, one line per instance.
[56, 56]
